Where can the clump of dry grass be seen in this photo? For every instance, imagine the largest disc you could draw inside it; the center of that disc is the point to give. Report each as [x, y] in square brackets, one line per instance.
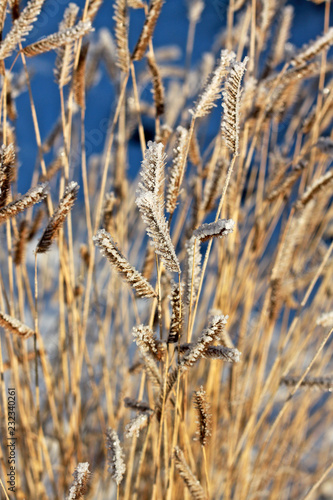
[33, 196]
[129, 273]
[52, 42]
[58, 217]
[80, 484]
[116, 462]
[204, 416]
[146, 34]
[188, 477]
[15, 326]
[21, 27]
[232, 233]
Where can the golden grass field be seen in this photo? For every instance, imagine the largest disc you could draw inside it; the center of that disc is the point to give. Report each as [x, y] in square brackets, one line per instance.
[169, 337]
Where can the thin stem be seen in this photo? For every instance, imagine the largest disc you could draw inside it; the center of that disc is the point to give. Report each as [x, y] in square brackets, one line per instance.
[225, 187]
[174, 440]
[99, 209]
[159, 442]
[206, 471]
[308, 496]
[137, 104]
[38, 419]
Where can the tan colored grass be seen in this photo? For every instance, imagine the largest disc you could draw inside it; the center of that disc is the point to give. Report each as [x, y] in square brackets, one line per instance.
[238, 325]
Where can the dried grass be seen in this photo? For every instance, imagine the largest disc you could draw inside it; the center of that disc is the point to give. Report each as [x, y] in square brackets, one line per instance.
[203, 389]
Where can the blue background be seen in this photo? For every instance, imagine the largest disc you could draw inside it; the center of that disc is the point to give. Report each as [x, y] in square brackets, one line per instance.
[171, 30]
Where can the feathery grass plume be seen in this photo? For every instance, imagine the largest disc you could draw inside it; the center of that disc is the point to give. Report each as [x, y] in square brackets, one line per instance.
[10, 131]
[147, 342]
[213, 86]
[79, 77]
[110, 250]
[33, 196]
[287, 89]
[177, 317]
[231, 105]
[15, 8]
[293, 75]
[224, 337]
[158, 230]
[194, 150]
[168, 53]
[15, 326]
[20, 243]
[213, 186]
[116, 464]
[121, 32]
[59, 215]
[110, 203]
[325, 144]
[287, 183]
[108, 50]
[7, 160]
[151, 367]
[51, 42]
[99, 51]
[185, 348]
[325, 319]
[158, 90]
[151, 205]
[176, 173]
[149, 262]
[204, 416]
[21, 27]
[85, 255]
[65, 53]
[281, 269]
[136, 425]
[268, 13]
[187, 475]
[197, 215]
[229, 354]
[194, 10]
[152, 173]
[217, 229]
[146, 34]
[137, 405]
[192, 268]
[324, 383]
[3, 6]
[93, 8]
[312, 49]
[323, 182]
[80, 483]
[10, 100]
[282, 35]
[135, 4]
[207, 337]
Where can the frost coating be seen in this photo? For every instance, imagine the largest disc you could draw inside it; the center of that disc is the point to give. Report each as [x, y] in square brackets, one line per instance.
[217, 229]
